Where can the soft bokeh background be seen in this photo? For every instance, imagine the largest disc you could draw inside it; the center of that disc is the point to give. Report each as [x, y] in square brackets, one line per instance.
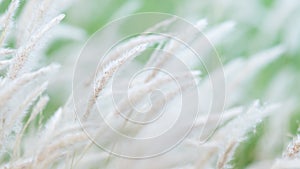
[259, 25]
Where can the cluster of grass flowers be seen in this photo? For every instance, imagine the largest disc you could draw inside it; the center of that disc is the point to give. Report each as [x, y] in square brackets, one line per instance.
[33, 137]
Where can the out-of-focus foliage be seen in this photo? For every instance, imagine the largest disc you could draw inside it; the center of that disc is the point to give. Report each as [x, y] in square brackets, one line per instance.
[260, 26]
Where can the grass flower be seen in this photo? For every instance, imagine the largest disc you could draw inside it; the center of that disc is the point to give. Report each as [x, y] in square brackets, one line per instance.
[259, 61]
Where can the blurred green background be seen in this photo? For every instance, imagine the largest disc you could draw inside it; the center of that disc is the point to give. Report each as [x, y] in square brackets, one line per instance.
[260, 24]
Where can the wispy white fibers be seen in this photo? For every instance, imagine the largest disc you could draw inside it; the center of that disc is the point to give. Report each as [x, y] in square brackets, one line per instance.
[23, 80]
[38, 108]
[240, 71]
[6, 51]
[23, 53]
[132, 43]
[4, 63]
[107, 72]
[22, 92]
[219, 32]
[158, 60]
[291, 156]
[238, 129]
[32, 138]
[7, 20]
[136, 94]
[36, 14]
[161, 25]
[293, 149]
